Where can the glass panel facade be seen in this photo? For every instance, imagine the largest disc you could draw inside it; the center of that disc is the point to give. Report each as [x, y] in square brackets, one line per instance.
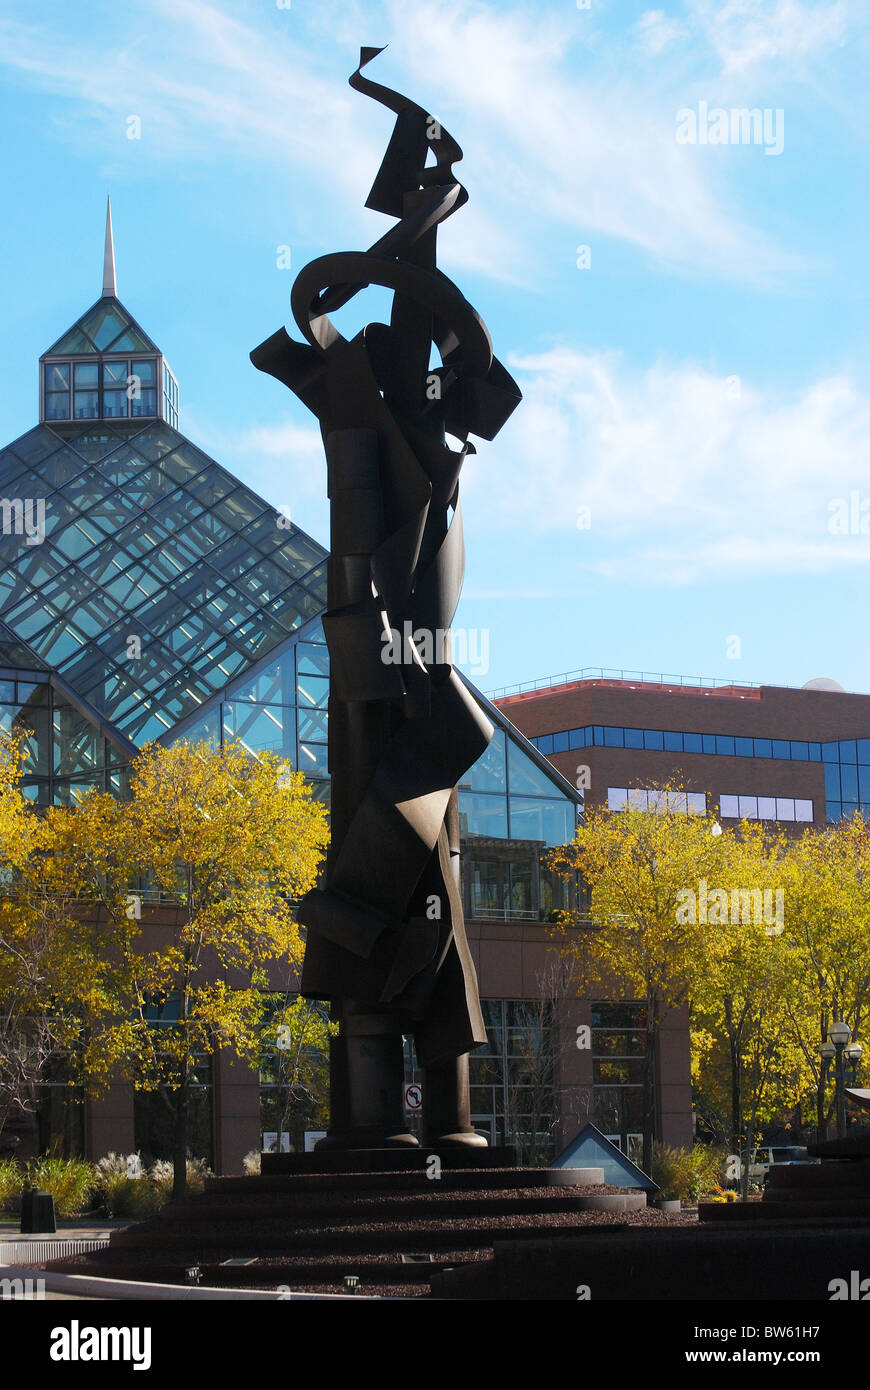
[846, 761]
[513, 1077]
[779, 808]
[120, 562]
[175, 606]
[618, 1045]
[676, 741]
[643, 799]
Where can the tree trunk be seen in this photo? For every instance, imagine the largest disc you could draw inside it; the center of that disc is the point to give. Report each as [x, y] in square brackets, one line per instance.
[750, 1145]
[179, 1148]
[736, 1097]
[649, 1094]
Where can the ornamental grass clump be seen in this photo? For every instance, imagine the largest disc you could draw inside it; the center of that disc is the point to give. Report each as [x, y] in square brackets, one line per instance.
[686, 1174]
[71, 1182]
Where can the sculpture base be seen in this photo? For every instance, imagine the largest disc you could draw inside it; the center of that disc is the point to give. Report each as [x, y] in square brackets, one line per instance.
[398, 1160]
[366, 1139]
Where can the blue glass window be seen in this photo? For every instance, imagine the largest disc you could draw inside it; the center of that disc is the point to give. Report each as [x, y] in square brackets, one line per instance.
[653, 738]
[577, 738]
[848, 751]
[115, 405]
[781, 748]
[86, 376]
[526, 778]
[830, 752]
[849, 782]
[833, 811]
[312, 727]
[312, 690]
[763, 748]
[144, 405]
[312, 659]
[864, 782]
[799, 751]
[56, 382]
[692, 743]
[544, 744]
[743, 747]
[313, 760]
[86, 405]
[709, 743]
[479, 815]
[598, 735]
[863, 750]
[725, 743]
[815, 752]
[534, 818]
[673, 742]
[560, 743]
[633, 738]
[145, 370]
[832, 781]
[613, 738]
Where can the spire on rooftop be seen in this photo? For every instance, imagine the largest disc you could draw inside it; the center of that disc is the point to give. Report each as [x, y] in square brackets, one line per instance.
[109, 286]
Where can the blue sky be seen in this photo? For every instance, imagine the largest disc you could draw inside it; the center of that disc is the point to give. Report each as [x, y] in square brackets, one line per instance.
[703, 387]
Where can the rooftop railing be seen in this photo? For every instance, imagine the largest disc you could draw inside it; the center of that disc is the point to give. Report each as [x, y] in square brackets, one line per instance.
[588, 673]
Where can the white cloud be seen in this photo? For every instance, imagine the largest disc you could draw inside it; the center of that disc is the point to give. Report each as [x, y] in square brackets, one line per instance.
[206, 86]
[560, 151]
[747, 33]
[656, 32]
[682, 476]
[585, 148]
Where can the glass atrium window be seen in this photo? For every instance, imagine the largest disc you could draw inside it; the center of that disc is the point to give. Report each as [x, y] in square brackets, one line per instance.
[115, 390]
[86, 398]
[143, 386]
[56, 382]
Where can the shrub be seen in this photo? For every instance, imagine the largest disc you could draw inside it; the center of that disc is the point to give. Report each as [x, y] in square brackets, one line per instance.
[120, 1166]
[11, 1183]
[70, 1181]
[124, 1187]
[686, 1173]
[137, 1197]
[162, 1174]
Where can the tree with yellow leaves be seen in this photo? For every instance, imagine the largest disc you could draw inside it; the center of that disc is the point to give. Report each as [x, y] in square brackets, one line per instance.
[740, 1006]
[643, 866]
[223, 843]
[47, 970]
[828, 894]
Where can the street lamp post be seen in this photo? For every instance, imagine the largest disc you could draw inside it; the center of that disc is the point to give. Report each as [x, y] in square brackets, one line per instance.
[839, 1034]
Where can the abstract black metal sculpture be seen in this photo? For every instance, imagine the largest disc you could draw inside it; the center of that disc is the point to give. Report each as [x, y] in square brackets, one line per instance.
[386, 939]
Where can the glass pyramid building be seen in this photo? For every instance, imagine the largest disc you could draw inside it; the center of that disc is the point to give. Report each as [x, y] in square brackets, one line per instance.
[146, 593]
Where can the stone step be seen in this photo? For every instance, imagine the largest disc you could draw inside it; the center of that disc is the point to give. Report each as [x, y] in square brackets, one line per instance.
[458, 1179]
[311, 1269]
[845, 1173]
[395, 1160]
[847, 1208]
[345, 1207]
[384, 1235]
